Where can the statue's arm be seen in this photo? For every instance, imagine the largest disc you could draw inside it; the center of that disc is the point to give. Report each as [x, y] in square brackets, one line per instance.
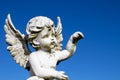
[71, 46]
[43, 72]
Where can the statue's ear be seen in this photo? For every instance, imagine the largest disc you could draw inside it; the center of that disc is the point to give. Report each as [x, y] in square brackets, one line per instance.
[35, 41]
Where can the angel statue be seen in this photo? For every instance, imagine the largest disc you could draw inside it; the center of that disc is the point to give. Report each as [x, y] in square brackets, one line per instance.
[46, 39]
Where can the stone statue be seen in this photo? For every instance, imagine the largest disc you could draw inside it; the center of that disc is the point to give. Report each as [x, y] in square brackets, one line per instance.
[46, 39]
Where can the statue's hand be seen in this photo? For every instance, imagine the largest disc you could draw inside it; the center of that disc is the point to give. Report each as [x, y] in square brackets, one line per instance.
[61, 75]
[77, 36]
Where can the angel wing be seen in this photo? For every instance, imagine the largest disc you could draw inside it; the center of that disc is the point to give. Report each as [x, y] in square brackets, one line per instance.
[58, 32]
[17, 43]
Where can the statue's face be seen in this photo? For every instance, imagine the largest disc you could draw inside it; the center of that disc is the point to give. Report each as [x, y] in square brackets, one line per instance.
[46, 38]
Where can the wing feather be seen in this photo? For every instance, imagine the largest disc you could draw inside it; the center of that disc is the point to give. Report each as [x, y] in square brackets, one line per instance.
[58, 32]
[16, 43]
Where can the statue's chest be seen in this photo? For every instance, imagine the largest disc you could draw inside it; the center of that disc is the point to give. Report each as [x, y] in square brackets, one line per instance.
[47, 60]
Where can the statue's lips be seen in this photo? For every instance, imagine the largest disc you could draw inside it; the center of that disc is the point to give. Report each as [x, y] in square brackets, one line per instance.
[53, 44]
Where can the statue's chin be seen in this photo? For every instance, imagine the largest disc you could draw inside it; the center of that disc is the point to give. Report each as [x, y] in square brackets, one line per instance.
[52, 46]
[48, 48]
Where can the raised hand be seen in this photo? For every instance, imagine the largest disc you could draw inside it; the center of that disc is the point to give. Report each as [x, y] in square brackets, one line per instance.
[61, 75]
[77, 36]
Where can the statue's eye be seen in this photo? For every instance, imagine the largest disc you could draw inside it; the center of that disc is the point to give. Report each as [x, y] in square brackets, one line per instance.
[52, 25]
[45, 36]
[49, 29]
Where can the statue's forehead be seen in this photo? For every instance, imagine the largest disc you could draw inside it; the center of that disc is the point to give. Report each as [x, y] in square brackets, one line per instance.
[49, 29]
[46, 31]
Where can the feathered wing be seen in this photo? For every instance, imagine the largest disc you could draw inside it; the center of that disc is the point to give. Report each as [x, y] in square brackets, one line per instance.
[17, 45]
[58, 32]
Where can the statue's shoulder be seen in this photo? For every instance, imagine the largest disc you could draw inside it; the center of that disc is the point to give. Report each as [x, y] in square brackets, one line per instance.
[33, 55]
[36, 54]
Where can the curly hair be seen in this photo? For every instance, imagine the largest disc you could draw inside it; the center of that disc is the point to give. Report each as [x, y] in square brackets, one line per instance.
[35, 26]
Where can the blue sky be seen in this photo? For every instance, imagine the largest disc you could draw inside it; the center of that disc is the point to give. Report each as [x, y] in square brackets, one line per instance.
[97, 56]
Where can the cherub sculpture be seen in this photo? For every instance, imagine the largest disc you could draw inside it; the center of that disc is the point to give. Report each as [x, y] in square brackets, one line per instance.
[46, 39]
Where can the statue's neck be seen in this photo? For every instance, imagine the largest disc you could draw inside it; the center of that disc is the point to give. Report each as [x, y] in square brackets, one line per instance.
[46, 51]
[43, 52]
